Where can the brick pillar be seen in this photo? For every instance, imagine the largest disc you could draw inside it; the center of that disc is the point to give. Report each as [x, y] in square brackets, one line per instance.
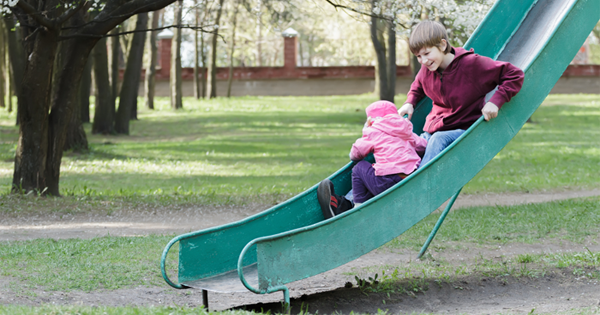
[290, 48]
[164, 52]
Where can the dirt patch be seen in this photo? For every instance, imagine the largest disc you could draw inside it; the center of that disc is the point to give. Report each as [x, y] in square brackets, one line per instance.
[470, 295]
[163, 220]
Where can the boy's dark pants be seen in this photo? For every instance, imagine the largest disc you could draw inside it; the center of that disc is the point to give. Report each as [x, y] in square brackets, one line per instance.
[366, 185]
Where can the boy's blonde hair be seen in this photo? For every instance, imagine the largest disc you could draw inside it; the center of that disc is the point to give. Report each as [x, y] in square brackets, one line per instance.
[428, 34]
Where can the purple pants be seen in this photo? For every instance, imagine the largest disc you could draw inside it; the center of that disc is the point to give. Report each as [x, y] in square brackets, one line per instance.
[366, 185]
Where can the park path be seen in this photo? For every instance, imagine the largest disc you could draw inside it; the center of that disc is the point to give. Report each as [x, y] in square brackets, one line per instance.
[167, 221]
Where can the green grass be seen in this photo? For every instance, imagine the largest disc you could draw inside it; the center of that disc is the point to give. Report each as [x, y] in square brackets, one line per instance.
[219, 151]
[560, 150]
[573, 220]
[267, 149]
[416, 276]
[86, 265]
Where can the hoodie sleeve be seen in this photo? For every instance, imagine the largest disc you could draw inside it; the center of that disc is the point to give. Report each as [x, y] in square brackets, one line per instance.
[419, 144]
[508, 77]
[360, 149]
[416, 92]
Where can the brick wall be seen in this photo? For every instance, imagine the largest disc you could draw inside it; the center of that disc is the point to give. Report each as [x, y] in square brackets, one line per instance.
[255, 80]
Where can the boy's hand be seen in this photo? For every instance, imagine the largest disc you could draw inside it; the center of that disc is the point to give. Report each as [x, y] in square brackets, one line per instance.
[406, 109]
[489, 111]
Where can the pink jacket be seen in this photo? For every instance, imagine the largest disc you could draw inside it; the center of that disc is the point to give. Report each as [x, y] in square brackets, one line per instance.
[393, 144]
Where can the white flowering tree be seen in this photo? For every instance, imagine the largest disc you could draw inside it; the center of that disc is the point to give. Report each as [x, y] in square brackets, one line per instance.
[391, 18]
[48, 93]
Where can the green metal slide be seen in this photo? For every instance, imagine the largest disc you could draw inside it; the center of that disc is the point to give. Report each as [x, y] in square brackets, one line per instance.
[292, 241]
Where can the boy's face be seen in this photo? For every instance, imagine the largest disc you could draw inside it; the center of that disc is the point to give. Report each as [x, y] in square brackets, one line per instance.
[430, 57]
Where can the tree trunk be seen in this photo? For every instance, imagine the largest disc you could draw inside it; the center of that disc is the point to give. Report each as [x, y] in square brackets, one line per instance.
[31, 157]
[64, 103]
[115, 49]
[175, 82]
[230, 77]
[44, 111]
[9, 91]
[16, 53]
[203, 81]
[131, 77]
[212, 66]
[196, 53]
[415, 66]
[150, 81]
[381, 78]
[391, 62]
[45, 105]
[2, 65]
[259, 39]
[385, 67]
[105, 102]
[84, 91]
[75, 138]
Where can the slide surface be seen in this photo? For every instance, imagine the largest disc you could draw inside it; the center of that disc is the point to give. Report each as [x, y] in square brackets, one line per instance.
[291, 241]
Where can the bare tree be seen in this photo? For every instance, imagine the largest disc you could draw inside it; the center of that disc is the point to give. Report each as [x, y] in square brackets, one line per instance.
[115, 53]
[16, 55]
[131, 77]
[2, 65]
[234, 25]
[212, 66]
[385, 74]
[105, 102]
[197, 92]
[84, 92]
[150, 80]
[175, 82]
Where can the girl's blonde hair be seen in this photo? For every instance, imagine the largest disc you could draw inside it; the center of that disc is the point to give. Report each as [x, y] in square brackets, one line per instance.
[428, 34]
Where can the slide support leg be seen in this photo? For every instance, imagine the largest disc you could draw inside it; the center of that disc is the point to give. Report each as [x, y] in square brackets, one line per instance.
[286, 300]
[438, 224]
[205, 299]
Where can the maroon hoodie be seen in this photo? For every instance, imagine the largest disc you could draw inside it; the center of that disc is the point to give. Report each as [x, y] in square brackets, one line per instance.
[458, 93]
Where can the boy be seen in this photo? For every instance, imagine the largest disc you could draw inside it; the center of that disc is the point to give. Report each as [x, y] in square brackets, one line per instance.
[457, 81]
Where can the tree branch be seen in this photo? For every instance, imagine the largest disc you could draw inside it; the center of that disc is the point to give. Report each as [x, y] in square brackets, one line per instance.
[27, 8]
[187, 26]
[71, 11]
[107, 20]
[379, 16]
[344, 7]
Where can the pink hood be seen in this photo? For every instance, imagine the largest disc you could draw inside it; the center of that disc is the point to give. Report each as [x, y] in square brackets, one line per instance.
[393, 144]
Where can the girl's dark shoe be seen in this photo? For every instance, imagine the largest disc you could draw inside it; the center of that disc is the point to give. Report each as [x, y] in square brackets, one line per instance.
[331, 204]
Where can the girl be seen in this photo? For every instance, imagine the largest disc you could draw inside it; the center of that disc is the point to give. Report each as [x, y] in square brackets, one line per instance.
[389, 136]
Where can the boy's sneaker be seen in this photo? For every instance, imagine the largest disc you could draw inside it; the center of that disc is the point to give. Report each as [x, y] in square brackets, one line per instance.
[331, 204]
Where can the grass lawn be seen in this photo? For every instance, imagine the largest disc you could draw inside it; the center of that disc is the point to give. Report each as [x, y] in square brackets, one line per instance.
[270, 148]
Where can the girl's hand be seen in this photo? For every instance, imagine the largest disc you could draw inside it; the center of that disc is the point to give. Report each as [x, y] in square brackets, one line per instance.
[489, 111]
[406, 109]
